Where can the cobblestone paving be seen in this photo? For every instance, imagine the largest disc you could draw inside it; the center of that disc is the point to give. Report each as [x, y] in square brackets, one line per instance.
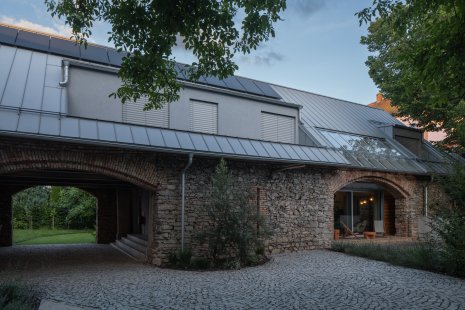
[97, 276]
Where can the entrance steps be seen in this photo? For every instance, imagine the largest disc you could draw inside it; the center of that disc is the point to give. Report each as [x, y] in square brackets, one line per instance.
[135, 246]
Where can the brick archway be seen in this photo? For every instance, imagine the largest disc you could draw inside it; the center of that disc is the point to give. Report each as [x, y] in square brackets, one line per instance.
[133, 167]
[23, 158]
[401, 187]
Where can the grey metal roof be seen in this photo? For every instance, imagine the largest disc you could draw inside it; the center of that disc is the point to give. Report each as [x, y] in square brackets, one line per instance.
[322, 114]
[325, 112]
[13, 121]
[107, 56]
[33, 104]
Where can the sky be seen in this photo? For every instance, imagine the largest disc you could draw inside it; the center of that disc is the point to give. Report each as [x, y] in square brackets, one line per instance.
[317, 46]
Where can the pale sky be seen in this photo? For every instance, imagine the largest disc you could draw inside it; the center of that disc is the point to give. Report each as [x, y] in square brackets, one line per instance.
[317, 46]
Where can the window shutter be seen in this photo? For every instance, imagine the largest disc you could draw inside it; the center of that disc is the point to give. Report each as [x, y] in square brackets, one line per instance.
[133, 112]
[204, 117]
[269, 127]
[278, 128]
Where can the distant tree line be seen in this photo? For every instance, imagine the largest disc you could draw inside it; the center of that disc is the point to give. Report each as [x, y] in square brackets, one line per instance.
[54, 207]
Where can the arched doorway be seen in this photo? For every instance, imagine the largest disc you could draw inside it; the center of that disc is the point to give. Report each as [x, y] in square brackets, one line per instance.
[122, 207]
[47, 214]
[369, 205]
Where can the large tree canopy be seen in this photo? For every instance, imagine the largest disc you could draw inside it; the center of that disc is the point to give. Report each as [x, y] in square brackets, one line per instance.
[418, 60]
[213, 30]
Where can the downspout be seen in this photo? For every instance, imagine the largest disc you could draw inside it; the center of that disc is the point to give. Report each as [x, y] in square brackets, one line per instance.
[65, 74]
[183, 197]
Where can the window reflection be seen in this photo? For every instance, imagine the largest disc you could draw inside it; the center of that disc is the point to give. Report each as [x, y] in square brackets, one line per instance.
[360, 144]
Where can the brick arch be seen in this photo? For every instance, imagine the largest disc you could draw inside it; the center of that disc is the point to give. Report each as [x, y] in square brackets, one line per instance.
[135, 168]
[79, 166]
[399, 186]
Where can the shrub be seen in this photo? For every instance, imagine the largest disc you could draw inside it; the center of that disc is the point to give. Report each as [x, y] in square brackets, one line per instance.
[449, 222]
[237, 229]
[180, 258]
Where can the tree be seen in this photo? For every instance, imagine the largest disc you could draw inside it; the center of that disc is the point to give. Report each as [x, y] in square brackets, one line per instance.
[237, 229]
[149, 29]
[418, 60]
[29, 207]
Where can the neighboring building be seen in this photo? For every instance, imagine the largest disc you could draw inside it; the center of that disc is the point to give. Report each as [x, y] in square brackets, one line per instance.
[385, 104]
[309, 161]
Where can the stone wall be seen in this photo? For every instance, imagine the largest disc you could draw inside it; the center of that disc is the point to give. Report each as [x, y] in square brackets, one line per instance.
[297, 202]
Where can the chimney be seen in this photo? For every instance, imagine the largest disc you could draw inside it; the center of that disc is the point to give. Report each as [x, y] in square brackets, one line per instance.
[379, 97]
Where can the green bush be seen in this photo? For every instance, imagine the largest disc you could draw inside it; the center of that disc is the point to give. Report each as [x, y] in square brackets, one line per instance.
[180, 259]
[449, 222]
[238, 229]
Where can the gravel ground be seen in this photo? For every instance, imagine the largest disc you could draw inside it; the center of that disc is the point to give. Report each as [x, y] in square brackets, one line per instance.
[98, 276]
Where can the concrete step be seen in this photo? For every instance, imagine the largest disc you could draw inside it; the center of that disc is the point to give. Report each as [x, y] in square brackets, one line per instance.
[138, 239]
[133, 244]
[131, 252]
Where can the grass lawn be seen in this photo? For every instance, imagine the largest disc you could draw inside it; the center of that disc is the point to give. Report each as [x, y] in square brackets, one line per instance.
[52, 236]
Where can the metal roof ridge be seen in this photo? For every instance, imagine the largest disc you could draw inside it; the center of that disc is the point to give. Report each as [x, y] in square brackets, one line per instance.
[326, 96]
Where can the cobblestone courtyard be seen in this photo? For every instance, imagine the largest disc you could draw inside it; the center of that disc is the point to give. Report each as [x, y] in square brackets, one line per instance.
[97, 276]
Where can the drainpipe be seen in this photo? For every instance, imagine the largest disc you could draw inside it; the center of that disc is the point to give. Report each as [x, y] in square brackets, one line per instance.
[66, 74]
[183, 192]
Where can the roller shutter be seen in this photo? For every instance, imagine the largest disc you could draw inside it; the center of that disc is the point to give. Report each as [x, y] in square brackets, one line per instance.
[134, 113]
[204, 117]
[278, 128]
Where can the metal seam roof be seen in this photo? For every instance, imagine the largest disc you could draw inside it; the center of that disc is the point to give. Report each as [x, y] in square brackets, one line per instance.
[84, 130]
[56, 45]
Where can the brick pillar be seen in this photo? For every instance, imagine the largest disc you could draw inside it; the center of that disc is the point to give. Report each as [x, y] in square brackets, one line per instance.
[106, 216]
[124, 201]
[6, 216]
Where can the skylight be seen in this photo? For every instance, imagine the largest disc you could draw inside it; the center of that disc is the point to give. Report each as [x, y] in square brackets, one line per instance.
[360, 144]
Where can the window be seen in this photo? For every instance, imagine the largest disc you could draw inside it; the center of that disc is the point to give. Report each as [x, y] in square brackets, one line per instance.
[278, 128]
[360, 144]
[133, 112]
[204, 117]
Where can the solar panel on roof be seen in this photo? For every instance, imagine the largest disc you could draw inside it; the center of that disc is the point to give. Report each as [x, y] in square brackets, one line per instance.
[267, 90]
[8, 35]
[94, 53]
[115, 57]
[250, 86]
[213, 80]
[233, 83]
[33, 41]
[64, 47]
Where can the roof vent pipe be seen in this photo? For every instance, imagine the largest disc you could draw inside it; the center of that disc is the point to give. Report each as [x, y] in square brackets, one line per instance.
[183, 197]
[65, 74]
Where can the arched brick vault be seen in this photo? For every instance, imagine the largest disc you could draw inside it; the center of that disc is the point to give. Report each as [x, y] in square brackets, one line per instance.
[399, 185]
[135, 168]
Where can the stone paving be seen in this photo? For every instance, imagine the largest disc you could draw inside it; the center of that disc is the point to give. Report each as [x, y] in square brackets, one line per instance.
[97, 276]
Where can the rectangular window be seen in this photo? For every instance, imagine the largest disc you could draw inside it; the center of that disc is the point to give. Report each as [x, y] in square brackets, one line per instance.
[133, 112]
[204, 117]
[278, 128]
